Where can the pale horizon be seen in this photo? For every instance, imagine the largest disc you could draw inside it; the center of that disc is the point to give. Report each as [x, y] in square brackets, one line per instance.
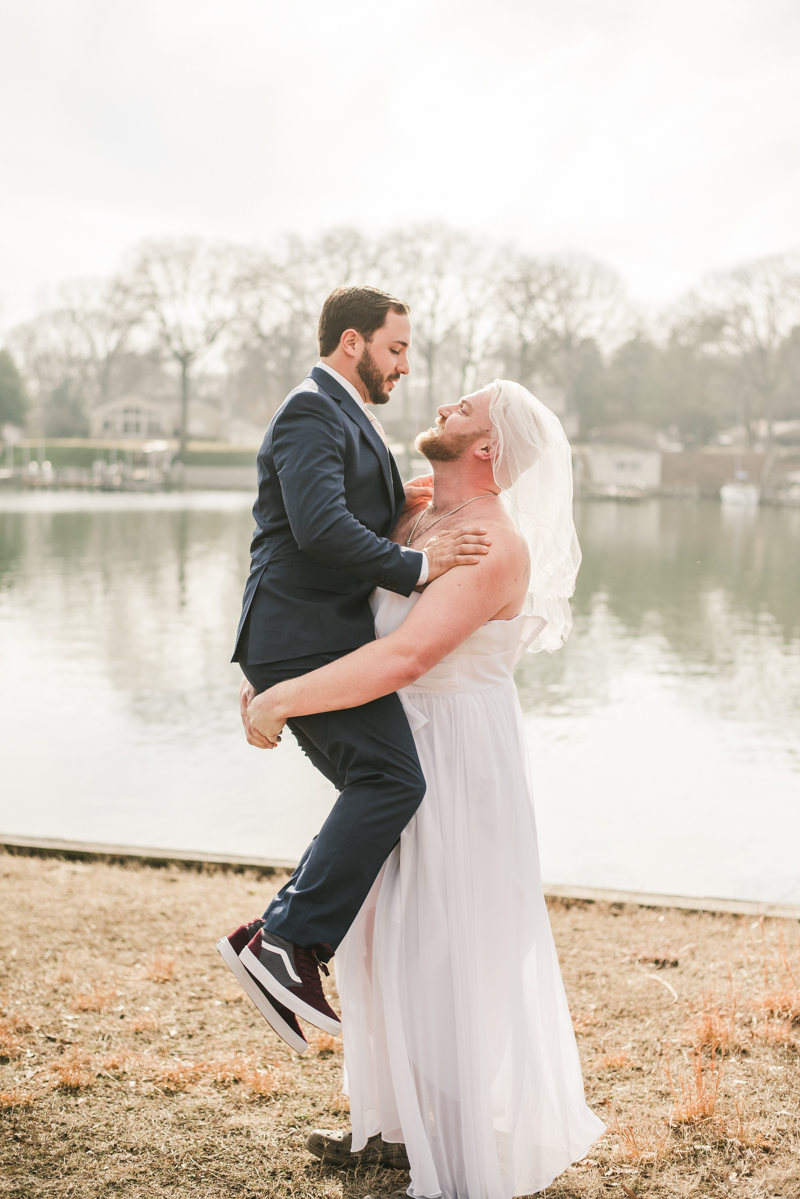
[663, 142]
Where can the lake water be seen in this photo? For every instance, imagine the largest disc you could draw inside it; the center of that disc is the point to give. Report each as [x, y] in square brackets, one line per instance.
[664, 738]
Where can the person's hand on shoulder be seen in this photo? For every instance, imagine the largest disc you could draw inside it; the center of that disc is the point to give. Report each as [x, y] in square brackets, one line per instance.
[419, 493]
[456, 547]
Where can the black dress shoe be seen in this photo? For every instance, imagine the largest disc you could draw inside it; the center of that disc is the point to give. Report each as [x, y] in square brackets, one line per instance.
[333, 1148]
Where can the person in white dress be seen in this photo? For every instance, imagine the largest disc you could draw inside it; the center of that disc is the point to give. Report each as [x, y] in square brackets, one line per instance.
[458, 1040]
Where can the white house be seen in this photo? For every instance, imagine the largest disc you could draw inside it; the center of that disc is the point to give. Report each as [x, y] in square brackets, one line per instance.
[609, 467]
[134, 417]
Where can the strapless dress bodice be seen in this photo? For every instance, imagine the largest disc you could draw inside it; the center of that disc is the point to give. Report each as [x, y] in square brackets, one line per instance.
[486, 659]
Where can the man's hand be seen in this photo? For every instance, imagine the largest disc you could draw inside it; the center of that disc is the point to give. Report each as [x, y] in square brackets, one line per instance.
[247, 694]
[419, 493]
[263, 721]
[458, 547]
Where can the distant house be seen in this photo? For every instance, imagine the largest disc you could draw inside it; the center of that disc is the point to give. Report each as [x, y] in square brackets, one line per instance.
[135, 417]
[609, 468]
[131, 417]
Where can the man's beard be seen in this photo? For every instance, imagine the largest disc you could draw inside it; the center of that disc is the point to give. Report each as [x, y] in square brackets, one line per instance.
[373, 379]
[437, 446]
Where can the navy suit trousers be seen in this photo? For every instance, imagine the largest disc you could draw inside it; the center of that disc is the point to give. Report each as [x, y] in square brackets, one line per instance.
[368, 753]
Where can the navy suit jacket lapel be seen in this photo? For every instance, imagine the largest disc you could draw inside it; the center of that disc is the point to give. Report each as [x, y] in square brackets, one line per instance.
[331, 387]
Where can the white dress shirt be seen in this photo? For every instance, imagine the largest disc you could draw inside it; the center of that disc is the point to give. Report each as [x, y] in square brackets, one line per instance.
[351, 391]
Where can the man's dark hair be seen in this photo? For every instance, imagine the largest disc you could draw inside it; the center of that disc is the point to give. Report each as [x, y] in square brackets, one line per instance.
[361, 308]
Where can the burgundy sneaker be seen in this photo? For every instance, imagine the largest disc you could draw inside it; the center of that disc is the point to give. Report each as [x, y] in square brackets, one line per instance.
[283, 1021]
[291, 975]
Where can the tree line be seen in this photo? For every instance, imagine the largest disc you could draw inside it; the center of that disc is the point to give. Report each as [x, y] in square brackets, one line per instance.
[236, 325]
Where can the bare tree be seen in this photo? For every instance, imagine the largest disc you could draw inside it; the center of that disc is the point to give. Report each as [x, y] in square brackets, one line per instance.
[344, 257]
[551, 307]
[99, 318]
[43, 353]
[274, 341]
[188, 293]
[479, 291]
[283, 292]
[523, 311]
[744, 318]
[80, 338]
[429, 266]
[13, 395]
[75, 348]
[476, 311]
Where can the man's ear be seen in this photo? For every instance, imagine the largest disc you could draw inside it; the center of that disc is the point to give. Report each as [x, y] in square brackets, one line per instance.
[351, 342]
[486, 449]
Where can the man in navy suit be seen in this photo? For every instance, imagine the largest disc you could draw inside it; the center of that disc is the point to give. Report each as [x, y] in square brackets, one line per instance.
[329, 497]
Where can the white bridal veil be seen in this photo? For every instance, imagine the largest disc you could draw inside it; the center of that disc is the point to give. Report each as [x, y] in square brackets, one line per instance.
[533, 466]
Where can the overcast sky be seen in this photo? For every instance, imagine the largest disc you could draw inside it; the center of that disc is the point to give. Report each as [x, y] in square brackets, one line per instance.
[663, 138]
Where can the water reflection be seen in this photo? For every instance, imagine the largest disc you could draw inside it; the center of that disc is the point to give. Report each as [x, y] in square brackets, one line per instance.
[666, 726]
[667, 557]
[703, 589]
[664, 736]
[116, 628]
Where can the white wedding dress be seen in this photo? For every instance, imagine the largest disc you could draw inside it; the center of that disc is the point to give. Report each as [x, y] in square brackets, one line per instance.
[457, 1035]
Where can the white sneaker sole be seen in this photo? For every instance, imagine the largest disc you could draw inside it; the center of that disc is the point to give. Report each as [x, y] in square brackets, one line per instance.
[256, 995]
[300, 1008]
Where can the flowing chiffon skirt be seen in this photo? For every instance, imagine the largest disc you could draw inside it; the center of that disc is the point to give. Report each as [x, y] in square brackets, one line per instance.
[457, 1035]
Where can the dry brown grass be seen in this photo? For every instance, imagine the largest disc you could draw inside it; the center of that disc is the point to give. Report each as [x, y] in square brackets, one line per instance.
[10, 1044]
[783, 1002]
[161, 969]
[641, 1140]
[174, 1075]
[612, 1061]
[696, 1095]
[143, 1024]
[661, 956]
[715, 1027]
[62, 977]
[101, 996]
[174, 1087]
[15, 1098]
[776, 1032]
[781, 975]
[72, 1072]
[11, 1026]
[583, 1020]
[324, 1044]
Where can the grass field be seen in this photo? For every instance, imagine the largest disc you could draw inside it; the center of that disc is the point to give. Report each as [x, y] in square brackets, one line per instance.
[131, 1065]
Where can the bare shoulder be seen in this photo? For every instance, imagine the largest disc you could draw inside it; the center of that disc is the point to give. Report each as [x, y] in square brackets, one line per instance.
[503, 574]
[508, 555]
[500, 577]
[508, 540]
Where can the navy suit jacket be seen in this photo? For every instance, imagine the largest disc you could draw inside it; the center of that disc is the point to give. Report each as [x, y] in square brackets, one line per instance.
[329, 495]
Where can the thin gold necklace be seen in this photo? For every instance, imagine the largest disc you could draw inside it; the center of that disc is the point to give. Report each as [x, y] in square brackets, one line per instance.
[413, 532]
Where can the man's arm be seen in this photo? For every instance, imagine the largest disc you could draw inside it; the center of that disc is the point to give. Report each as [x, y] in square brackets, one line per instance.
[308, 451]
[446, 614]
